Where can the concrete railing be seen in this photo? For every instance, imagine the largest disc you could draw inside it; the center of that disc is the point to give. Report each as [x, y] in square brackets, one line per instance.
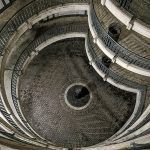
[8, 132]
[9, 119]
[71, 6]
[143, 130]
[114, 50]
[144, 118]
[22, 27]
[53, 35]
[19, 131]
[16, 29]
[5, 129]
[32, 13]
[38, 10]
[119, 82]
[143, 140]
[37, 45]
[127, 18]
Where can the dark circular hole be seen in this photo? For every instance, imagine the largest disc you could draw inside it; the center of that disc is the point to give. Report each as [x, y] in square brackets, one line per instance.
[78, 96]
[106, 61]
[113, 30]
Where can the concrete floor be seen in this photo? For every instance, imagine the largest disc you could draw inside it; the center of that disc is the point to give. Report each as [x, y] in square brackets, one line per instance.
[42, 89]
[141, 10]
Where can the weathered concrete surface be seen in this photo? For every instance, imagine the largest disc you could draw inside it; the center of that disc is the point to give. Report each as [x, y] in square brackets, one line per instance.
[42, 90]
[10, 11]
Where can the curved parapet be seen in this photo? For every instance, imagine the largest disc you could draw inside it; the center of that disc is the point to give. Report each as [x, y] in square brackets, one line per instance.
[51, 36]
[128, 135]
[127, 18]
[119, 82]
[114, 50]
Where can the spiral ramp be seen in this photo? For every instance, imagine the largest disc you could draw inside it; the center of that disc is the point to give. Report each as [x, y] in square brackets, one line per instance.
[48, 48]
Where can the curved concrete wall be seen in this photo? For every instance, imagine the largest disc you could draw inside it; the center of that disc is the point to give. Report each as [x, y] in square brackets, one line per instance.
[83, 35]
[27, 25]
[124, 145]
[137, 25]
[112, 55]
[123, 87]
[64, 9]
[136, 125]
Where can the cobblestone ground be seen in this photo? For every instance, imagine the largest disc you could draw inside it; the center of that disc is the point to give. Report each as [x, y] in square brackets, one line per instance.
[42, 89]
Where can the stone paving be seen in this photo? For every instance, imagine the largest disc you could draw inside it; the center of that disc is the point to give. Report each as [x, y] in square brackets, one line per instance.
[42, 89]
[131, 76]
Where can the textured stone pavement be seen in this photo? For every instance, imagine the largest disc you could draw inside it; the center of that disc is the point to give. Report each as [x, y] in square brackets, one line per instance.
[42, 89]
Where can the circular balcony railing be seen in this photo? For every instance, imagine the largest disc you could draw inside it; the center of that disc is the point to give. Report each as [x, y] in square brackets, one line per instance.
[25, 13]
[83, 28]
[109, 73]
[115, 47]
[120, 80]
[8, 117]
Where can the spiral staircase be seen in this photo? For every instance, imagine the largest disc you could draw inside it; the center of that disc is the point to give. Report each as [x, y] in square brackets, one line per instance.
[51, 51]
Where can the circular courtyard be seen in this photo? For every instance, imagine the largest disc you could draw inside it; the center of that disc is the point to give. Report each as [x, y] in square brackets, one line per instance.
[67, 102]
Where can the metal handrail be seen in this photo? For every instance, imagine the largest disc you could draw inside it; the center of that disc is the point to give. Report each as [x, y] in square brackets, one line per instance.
[120, 80]
[109, 73]
[37, 6]
[8, 118]
[31, 48]
[119, 50]
[31, 9]
[125, 3]
[3, 132]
